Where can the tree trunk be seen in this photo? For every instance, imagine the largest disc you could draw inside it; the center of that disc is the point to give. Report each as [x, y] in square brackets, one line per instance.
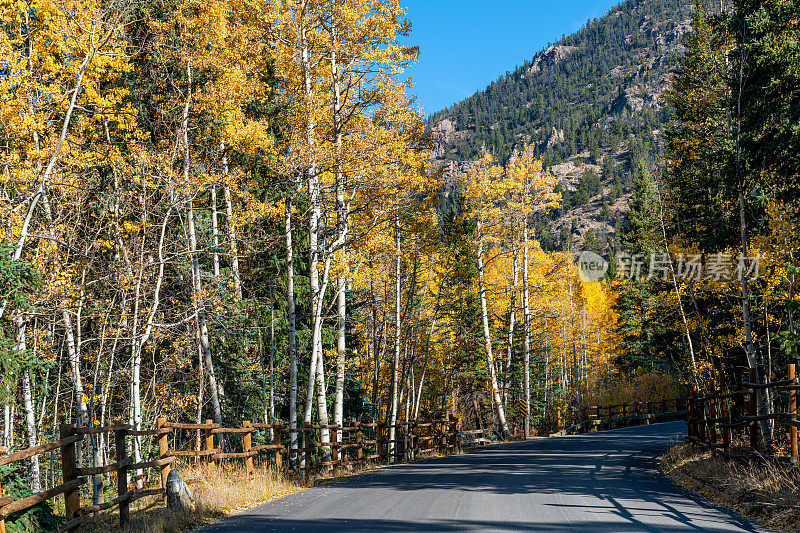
[526, 333]
[317, 367]
[202, 329]
[512, 319]
[341, 226]
[396, 356]
[215, 229]
[272, 365]
[740, 185]
[487, 338]
[341, 352]
[292, 346]
[7, 435]
[237, 282]
[27, 403]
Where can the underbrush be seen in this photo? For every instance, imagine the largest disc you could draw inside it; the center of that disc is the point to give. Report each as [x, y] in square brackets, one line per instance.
[639, 387]
[764, 491]
[216, 494]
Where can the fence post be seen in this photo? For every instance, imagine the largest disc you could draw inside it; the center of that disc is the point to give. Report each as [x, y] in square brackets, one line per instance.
[72, 499]
[307, 449]
[703, 419]
[359, 446]
[402, 433]
[247, 445]
[712, 411]
[690, 411]
[753, 411]
[380, 443]
[163, 451]
[208, 445]
[122, 477]
[453, 432]
[335, 448]
[414, 439]
[725, 412]
[276, 440]
[793, 412]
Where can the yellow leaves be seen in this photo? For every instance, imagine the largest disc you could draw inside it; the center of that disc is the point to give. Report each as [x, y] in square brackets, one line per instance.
[104, 244]
[505, 198]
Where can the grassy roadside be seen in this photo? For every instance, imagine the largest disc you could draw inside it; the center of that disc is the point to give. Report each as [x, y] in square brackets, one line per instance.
[222, 493]
[766, 493]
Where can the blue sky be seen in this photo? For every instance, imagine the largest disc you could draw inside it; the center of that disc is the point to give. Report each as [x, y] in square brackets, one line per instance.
[466, 44]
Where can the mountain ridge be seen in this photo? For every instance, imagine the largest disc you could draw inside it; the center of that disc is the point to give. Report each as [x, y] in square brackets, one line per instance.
[591, 104]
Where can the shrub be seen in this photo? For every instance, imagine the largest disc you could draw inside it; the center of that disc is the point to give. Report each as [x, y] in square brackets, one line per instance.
[14, 480]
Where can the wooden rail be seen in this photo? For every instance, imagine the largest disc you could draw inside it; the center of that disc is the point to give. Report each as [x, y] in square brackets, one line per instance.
[715, 417]
[627, 414]
[346, 446]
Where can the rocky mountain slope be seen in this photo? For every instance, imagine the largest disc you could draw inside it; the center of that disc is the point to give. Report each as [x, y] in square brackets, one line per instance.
[592, 105]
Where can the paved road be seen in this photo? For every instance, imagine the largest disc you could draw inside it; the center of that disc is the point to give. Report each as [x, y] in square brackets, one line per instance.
[597, 482]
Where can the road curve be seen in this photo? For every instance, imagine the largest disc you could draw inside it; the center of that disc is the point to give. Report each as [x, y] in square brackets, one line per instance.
[596, 482]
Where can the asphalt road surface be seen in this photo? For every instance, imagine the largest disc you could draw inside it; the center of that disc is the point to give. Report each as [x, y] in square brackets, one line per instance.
[605, 481]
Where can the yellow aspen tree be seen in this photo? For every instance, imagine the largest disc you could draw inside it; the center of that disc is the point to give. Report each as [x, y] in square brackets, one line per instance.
[56, 56]
[485, 194]
[532, 194]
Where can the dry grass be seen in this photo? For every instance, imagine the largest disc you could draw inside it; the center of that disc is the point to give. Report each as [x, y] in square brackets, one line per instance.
[766, 492]
[217, 494]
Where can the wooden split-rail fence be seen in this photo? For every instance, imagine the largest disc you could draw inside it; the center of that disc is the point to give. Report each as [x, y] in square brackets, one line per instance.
[600, 417]
[718, 418]
[349, 445]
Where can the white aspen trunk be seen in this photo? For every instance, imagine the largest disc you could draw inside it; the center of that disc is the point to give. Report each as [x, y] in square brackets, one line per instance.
[341, 223]
[574, 378]
[204, 340]
[237, 281]
[215, 229]
[27, 404]
[136, 361]
[272, 366]
[11, 421]
[262, 359]
[138, 342]
[317, 366]
[201, 380]
[7, 436]
[104, 401]
[341, 308]
[487, 337]
[292, 335]
[75, 365]
[398, 325]
[203, 337]
[585, 360]
[512, 319]
[526, 332]
[684, 320]
[769, 394]
[562, 366]
[313, 210]
[425, 362]
[72, 348]
[546, 364]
